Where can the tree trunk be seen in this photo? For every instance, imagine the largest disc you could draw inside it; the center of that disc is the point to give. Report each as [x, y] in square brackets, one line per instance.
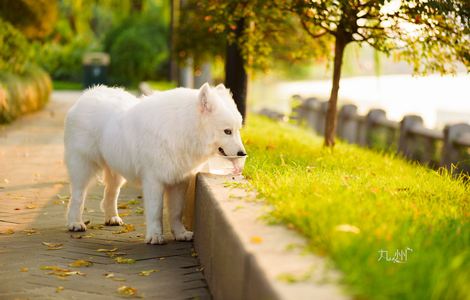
[330, 122]
[236, 78]
[136, 6]
[172, 67]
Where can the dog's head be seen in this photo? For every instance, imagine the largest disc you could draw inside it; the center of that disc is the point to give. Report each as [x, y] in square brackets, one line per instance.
[222, 119]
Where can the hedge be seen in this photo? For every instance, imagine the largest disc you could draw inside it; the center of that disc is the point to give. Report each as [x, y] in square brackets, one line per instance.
[21, 94]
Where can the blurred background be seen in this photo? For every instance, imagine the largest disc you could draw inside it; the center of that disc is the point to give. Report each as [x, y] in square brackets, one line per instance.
[170, 43]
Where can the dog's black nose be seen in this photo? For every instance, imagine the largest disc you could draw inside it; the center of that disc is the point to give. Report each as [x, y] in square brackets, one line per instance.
[241, 153]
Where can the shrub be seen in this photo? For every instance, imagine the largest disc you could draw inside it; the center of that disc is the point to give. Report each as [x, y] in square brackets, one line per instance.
[63, 61]
[14, 50]
[21, 94]
[138, 49]
[35, 19]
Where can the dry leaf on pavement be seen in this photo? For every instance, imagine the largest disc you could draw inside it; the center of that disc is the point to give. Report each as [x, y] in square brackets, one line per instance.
[81, 263]
[52, 246]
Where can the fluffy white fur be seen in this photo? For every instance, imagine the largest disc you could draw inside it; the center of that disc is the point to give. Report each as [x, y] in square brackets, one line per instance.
[157, 141]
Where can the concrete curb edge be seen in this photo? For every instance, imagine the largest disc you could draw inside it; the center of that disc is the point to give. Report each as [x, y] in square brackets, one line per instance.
[243, 257]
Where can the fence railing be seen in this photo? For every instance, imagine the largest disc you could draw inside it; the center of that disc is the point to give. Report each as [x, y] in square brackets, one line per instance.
[409, 137]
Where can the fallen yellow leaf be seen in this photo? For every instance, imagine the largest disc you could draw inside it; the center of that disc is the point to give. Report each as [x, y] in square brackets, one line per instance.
[133, 202]
[106, 250]
[30, 231]
[62, 197]
[30, 206]
[52, 246]
[8, 231]
[59, 289]
[147, 272]
[123, 260]
[256, 239]
[24, 269]
[126, 228]
[81, 263]
[60, 272]
[123, 206]
[127, 291]
[53, 268]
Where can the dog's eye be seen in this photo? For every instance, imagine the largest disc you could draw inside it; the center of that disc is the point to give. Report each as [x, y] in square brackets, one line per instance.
[228, 131]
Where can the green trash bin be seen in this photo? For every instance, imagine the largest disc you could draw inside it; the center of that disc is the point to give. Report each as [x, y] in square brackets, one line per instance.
[95, 68]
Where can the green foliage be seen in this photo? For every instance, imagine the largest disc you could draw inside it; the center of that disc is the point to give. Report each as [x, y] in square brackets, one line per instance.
[35, 18]
[85, 26]
[269, 35]
[391, 204]
[63, 60]
[162, 85]
[59, 85]
[14, 49]
[23, 94]
[138, 49]
[431, 35]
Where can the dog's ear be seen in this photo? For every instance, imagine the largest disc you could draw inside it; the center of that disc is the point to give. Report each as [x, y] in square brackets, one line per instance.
[220, 87]
[205, 104]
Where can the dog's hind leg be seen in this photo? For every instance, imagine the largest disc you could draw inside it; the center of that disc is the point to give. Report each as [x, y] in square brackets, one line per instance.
[81, 171]
[176, 195]
[113, 183]
[153, 204]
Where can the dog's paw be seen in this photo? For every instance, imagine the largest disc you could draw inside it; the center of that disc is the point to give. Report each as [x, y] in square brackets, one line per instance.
[184, 236]
[155, 239]
[114, 221]
[77, 226]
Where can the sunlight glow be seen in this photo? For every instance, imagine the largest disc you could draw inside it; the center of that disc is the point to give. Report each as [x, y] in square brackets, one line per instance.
[390, 7]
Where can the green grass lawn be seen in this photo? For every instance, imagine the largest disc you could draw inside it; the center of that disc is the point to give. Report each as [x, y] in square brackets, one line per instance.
[351, 203]
[59, 85]
[162, 85]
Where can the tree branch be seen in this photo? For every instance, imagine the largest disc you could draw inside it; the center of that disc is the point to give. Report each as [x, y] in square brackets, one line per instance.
[313, 35]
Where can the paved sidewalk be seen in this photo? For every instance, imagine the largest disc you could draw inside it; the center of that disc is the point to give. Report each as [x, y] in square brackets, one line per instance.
[37, 253]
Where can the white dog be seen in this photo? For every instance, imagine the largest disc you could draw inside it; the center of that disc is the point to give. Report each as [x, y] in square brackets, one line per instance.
[157, 142]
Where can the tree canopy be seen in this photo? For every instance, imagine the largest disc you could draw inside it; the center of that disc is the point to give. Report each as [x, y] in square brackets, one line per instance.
[268, 33]
[35, 18]
[432, 35]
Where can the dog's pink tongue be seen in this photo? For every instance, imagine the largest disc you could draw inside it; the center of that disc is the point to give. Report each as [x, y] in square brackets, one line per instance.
[237, 170]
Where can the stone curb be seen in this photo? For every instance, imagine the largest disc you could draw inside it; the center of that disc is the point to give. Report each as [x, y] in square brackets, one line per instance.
[244, 258]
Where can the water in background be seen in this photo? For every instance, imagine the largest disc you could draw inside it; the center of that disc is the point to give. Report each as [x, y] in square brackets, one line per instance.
[439, 100]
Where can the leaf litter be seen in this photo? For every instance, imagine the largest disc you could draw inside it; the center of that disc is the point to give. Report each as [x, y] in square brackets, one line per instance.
[30, 231]
[124, 260]
[81, 263]
[127, 291]
[106, 250]
[126, 228]
[147, 272]
[60, 272]
[8, 231]
[53, 246]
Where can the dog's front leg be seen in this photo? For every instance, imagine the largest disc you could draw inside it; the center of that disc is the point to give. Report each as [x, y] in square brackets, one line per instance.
[153, 203]
[176, 194]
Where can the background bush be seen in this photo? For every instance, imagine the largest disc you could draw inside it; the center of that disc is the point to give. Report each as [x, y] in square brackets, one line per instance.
[21, 94]
[139, 50]
[14, 51]
[63, 61]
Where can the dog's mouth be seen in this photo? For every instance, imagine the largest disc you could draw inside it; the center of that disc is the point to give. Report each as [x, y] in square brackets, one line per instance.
[221, 151]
